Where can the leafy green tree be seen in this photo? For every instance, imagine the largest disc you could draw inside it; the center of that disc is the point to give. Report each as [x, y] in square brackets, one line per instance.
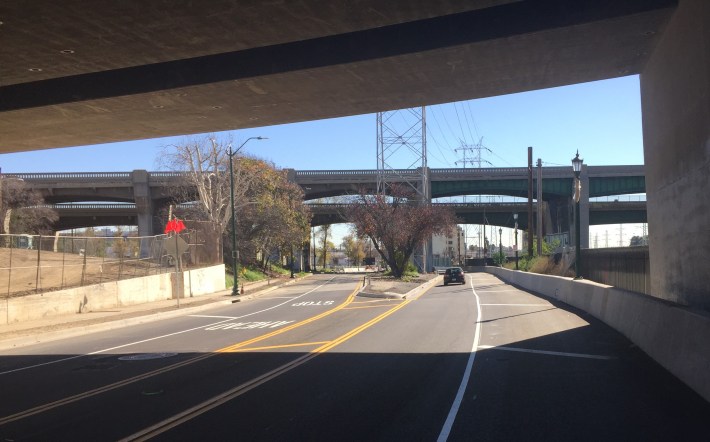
[354, 248]
[270, 214]
[326, 246]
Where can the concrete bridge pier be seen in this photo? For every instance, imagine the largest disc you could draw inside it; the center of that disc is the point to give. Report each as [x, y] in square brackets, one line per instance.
[144, 202]
[675, 102]
[583, 212]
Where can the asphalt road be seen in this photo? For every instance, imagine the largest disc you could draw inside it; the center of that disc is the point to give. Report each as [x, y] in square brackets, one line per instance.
[311, 361]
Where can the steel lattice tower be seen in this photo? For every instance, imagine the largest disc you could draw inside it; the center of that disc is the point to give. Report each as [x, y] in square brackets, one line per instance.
[401, 150]
[401, 157]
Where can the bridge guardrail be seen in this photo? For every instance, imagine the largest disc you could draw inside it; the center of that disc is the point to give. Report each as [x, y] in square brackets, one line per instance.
[54, 176]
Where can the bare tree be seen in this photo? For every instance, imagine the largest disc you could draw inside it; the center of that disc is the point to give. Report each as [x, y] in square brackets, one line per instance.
[398, 225]
[269, 210]
[207, 163]
[22, 209]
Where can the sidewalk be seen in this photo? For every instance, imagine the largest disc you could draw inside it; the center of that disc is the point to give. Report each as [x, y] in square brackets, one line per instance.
[22, 334]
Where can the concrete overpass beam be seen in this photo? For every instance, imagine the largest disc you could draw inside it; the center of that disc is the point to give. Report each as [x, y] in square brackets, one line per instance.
[675, 100]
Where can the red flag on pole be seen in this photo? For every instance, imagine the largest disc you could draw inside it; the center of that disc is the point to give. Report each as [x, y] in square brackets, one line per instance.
[174, 225]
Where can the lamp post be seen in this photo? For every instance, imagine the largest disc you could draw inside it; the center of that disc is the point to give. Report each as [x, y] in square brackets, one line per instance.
[577, 168]
[292, 262]
[500, 245]
[515, 217]
[235, 263]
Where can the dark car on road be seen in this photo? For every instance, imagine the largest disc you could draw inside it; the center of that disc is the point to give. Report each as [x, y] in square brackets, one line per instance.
[454, 274]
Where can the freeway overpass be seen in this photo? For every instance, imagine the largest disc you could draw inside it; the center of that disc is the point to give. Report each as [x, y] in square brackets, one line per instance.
[151, 191]
[78, 215]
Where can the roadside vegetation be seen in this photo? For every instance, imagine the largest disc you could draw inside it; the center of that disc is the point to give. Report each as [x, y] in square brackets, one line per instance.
[548, 263]
[271, 219]
[398, 224]
[22, 210]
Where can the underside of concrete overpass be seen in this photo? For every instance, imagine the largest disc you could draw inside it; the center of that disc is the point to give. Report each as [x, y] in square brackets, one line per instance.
[77, 73]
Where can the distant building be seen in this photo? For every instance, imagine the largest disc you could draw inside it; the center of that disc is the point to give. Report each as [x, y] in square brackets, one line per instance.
[448, 250]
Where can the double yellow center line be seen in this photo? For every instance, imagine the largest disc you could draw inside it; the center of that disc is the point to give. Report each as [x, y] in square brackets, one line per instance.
[235, 392]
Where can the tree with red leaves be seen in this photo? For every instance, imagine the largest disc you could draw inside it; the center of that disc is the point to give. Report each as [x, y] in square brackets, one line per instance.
[398, 224]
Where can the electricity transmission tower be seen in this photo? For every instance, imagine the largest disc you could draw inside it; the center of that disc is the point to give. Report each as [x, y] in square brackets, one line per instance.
[401, 150]
[472, 156]
[401, 157]
[475, 159]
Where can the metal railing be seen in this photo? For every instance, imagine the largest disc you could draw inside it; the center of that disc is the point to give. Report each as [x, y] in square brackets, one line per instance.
[624, 267]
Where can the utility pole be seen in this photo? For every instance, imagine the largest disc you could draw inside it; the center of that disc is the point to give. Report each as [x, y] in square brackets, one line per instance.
[539, 207]
[530, 204]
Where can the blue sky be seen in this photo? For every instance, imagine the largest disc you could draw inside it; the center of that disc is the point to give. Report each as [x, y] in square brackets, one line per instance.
[600, 119]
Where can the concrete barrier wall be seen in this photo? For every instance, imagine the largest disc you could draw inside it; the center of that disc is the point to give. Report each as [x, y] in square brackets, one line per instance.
[674, 336]
[110, 295]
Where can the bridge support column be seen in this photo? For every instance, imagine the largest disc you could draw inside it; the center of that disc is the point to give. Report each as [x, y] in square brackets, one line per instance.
[144, 202]
[675, 101]
[584, 209]
[583, 212]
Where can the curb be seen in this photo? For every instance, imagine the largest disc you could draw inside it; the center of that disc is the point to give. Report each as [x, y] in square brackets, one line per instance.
[392, 295]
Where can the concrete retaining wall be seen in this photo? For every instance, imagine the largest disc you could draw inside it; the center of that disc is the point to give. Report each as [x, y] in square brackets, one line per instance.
[110, 295]
[676, 337]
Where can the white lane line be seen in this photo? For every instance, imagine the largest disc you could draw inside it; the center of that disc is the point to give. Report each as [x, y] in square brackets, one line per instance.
[521, 305]
[499, 291]
[551, 353]
[449, 423]
[210, 316]
[159, 337]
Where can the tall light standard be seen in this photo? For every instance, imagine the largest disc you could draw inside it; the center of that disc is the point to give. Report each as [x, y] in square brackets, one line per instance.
[577, 168]
[500, 245]
[515, 217]
[235, 263]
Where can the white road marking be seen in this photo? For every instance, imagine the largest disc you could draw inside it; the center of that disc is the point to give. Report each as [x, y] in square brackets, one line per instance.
[248, 325]
[159, 337]
[522, 305]
[498, 291]
[449, 423]
[552, 353]
[312, 303]
[210, 316]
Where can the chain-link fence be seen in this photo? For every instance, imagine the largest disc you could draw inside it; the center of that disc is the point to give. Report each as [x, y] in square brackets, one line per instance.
[37, 264]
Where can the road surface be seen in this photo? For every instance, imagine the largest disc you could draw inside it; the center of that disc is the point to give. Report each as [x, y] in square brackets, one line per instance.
[313, 361]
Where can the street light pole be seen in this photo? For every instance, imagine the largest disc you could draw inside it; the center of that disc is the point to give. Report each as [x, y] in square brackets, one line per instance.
[235, 259]
[515, 217]
[500, 245]
[577, 168]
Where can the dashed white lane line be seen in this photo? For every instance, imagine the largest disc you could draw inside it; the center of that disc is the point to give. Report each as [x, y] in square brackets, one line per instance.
[545, 352]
